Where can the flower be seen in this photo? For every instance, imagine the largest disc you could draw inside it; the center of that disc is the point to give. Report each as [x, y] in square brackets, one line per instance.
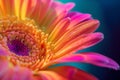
[36, 34]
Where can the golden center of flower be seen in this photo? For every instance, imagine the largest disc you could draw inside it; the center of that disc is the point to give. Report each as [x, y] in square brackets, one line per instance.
[26, 42]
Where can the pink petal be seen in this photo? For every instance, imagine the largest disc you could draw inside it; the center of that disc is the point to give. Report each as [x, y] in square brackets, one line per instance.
[78, 18]
[69, 6]
[10, 72]
[90, 57]
[72, 14]
[72, 73]
[18, 73]
[60, 6]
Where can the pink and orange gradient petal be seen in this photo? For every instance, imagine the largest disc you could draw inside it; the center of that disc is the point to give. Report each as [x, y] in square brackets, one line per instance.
[87, 26]
[76, 31]
[82, 28]
[41, 9]
[18, 73]
[79, 43]
[72, 73]
[90, 57]
[78, 18]
[56, 20]
[45, 6]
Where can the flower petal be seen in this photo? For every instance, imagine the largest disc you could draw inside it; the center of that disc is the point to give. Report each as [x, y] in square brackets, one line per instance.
[56, 20]
[77, 31]
[26, 8]
[4, 7]
[58, 6]
[18, 73]
[10, 72]
[45, 12]
[59, 29]
[17, 8]
[90, 57]
[78, 18]
[50, 75]
[78, 43]
[61, 11]
[72, 73]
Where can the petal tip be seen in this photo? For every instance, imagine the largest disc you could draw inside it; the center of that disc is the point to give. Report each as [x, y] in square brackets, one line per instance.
[70, 5]
[100, 35]
[113, 64]
[116, 66]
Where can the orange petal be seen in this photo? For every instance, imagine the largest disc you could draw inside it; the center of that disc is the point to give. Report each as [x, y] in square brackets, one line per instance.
[17, 8]
[59, 29]
[5, 7]
[24, 8]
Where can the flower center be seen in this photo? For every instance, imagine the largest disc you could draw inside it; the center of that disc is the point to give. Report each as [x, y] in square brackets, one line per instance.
[26, 42]
[18, 47]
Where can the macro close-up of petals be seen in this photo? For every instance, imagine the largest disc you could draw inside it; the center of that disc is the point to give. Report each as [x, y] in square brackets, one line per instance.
[38, 34]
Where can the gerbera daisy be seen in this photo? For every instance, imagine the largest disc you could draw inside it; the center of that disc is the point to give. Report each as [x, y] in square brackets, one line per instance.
[36, 34]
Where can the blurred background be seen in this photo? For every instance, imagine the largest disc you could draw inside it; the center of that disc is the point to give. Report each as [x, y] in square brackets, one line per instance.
[108, 12]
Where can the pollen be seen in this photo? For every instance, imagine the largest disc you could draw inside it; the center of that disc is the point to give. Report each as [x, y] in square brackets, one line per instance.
[27, 43]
